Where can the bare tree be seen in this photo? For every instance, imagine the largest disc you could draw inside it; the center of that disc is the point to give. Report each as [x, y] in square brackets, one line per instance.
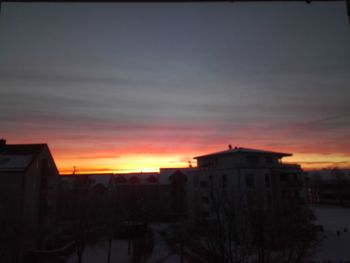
[114, 214]
[239, 230]
[88, 213]
[342, 184]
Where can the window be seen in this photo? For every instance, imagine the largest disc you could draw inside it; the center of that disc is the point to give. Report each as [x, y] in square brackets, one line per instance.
[203, 184]
[224, 181]
[205, 213]
[295, 177]
[297, 194]
[252, 159]
[250, 181]
[267, 181]
[285, 194]
[205, 199]
[268, 159]
[4, 160]
[284, 177]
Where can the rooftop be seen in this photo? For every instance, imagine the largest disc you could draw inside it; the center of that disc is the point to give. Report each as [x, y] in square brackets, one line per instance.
[14, 162]
[238, 150]
[21, 149]
[17, 157]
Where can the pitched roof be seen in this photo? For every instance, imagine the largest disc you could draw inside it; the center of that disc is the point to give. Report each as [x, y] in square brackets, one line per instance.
[17, 157]
[22, 149]
[14, 162]
[237, 150]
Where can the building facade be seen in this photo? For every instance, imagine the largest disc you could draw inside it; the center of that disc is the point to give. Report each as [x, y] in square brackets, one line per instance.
[253, 177]
[246, 176]
[28, 184]
[329, 186]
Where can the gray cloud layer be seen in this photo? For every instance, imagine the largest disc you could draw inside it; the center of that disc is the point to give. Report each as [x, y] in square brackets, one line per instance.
[210, 71]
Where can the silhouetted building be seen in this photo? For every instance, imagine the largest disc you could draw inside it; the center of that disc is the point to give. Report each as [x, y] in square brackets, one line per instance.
[28, 180]
[177, 192]
[255, 177]
[331, 186]
[258, 178]
[137, 195]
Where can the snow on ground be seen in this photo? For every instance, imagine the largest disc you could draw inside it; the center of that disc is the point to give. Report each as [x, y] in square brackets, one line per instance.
[98, 253]
[161, 252]
[160, 248]
[332, 246]
[173, 259]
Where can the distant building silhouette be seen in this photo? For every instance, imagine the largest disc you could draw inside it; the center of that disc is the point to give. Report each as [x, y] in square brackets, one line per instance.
[257, 177]
[174, 193]
[329, 186]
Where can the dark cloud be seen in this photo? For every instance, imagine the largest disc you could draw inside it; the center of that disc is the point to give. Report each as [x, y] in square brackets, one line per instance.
[164, 78]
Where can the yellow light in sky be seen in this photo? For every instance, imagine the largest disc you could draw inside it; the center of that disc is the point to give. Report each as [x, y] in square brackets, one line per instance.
[124, 164]
[317, 161]
[127, 163]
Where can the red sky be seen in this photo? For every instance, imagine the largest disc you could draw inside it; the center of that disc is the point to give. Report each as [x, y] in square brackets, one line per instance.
[131, 87]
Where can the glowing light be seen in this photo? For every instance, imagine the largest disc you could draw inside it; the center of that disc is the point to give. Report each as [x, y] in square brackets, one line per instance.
[125, 164]
[310, 161]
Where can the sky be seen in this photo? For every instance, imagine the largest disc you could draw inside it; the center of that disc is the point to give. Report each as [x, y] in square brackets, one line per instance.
[125, 87]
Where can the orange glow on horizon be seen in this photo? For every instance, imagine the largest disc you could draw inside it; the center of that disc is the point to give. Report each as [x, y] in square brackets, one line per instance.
[143, 156]
[153, 162]
[314, 161]
[126, 164]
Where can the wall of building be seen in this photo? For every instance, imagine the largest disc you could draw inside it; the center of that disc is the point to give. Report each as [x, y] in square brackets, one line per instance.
[259, 181]
[40, 196]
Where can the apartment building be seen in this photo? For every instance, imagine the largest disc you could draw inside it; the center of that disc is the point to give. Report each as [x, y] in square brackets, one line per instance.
[254, 177]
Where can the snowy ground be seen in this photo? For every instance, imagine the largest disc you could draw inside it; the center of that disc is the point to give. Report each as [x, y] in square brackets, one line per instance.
[161, 253]
[333, 247]
[98, 253]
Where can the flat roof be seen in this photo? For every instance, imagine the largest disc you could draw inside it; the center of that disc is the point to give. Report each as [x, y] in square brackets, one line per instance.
[237, 150]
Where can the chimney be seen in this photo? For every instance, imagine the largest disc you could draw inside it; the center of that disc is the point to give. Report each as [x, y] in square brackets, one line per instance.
[2, 144]
[230, 147]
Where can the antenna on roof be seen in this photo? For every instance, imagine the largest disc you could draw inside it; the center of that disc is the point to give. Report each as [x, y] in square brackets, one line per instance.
[230, 147]
[189, 164]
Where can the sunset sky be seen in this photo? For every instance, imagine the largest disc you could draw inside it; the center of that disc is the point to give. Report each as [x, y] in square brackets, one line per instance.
[134, 87]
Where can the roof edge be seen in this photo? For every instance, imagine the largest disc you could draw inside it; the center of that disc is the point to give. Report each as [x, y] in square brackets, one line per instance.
[238, 150]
